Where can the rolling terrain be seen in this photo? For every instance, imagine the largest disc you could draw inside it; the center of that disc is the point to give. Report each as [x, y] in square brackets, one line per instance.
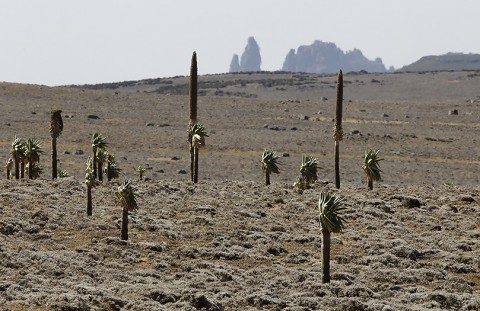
[229, 242]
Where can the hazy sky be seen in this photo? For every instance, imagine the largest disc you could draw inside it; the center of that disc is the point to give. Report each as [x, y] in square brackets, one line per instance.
[57, 42]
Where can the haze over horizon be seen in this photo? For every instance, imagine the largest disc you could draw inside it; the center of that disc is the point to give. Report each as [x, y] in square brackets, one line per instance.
[56, 42]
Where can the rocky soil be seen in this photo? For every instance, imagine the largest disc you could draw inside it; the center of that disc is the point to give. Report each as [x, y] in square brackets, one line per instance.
[237, 246]
[229, 242]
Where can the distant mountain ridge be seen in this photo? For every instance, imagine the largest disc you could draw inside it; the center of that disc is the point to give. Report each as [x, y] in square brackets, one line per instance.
[326, 57]
[445, 62]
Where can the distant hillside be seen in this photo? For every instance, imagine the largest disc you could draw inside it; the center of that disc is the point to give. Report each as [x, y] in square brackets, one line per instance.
[326, 57]
[450, 61]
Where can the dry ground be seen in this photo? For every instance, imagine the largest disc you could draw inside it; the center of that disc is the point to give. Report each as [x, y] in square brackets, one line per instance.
[230, 243]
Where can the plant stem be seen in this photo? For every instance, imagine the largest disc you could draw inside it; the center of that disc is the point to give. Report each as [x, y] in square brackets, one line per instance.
[326, 255]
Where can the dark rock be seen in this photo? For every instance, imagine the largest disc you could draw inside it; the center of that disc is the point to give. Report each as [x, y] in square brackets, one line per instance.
[150, 124]
[66, 152]
[453, 112]
[40, 215]
[154, 247]
[467, 199]
[182, 172]
[162, 297]
[293, 128]
[79, 152]
[410, 202]
[276, 250]
[93, 117]
[449, 208]
[278, 228]
[9, 228]
[174, 158]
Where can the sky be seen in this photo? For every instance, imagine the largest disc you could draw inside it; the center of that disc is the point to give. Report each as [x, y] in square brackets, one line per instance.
[60, 42]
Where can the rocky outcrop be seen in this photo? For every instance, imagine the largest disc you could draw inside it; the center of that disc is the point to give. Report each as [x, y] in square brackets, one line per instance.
[234, 64]
[326, 57]
[250, 60]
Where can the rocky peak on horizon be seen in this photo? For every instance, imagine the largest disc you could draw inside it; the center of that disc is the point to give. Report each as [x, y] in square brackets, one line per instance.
[326, 57]
[250, 60]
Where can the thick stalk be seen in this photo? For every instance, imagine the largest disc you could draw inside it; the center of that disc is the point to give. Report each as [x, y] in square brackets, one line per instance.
[22, 169]
[267, 177]
[192, 161]
[99, 170]
[30, 170]
[54, 157]
[370, 183]
[193, 89]
[17, 167]
[124, 224]
[94, 162]
[195, 176]
[109, 176]
[8, 172]
[326, 256]
[193, 109]
[337, 165]
[89, 200]
[338, 132]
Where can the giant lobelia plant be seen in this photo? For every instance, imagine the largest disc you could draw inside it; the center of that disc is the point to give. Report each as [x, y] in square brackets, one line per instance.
[330, 208]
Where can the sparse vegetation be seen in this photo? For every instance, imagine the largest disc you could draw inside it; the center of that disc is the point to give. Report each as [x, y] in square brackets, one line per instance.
[33, 150]
[98, 142]
[101, 159]
[330, 208]
[308, 172]
[230, 227]
[371, 167]
[8, 167]
[90, 182]
[127, 196]
[16, 153]
[269, 164]
[62, 173]
[111, 169]
[198, 134]
[140, 170]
